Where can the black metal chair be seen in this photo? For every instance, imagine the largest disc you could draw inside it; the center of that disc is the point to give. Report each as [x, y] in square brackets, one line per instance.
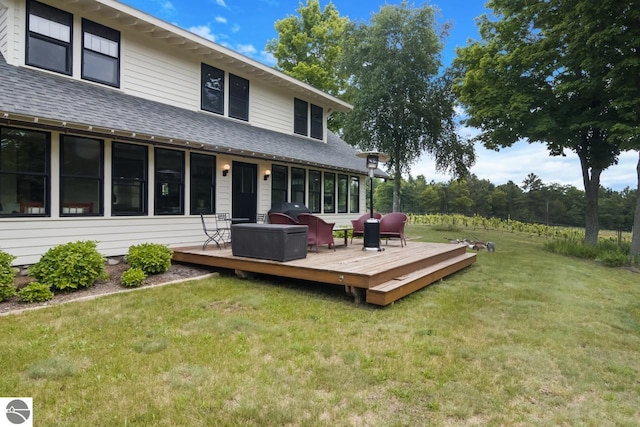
[213, 235]
[223, 225]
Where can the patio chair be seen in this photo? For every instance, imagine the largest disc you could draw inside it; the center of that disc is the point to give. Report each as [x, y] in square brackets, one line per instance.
[212, 234]
[392, 226]
[280, 218]
[223, 225]
[358, 224]
[320, 232]
[261, 218]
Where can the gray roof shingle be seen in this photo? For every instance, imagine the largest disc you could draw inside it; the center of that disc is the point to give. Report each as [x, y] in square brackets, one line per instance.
[39, 94]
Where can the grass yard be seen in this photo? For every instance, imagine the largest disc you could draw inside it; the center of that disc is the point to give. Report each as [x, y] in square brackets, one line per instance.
[523, 337]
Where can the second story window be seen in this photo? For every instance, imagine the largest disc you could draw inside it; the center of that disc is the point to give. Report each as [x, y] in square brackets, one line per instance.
[212, 88]
[49, 36]
[100, 54]
[307, 124]
[238, 98]
[300, 108]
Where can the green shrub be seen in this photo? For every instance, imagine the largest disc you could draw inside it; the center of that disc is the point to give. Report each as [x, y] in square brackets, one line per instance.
[70, 266]
[35, 292]
[133, 277]
[613, 258]
[152, 258]
[7, 276]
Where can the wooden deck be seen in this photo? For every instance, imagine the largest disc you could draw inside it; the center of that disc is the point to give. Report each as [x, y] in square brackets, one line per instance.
[381, 277]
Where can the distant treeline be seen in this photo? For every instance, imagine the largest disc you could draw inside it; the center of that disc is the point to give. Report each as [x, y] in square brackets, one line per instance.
[531, 202]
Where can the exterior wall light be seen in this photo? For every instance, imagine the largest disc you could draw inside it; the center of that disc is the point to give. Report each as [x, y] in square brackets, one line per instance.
[225, 169]
[267, 174]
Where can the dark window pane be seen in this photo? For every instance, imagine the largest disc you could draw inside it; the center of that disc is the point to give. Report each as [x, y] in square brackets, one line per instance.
[81, 175]
[354, 193]
[24, 172]
[129, 170]
[316, 122]
[343, 193]
[100, 54]
[329, 192]
[300, 116]
[203, 173]
[212, 89]
[238, 97]
[169, 197]
[279, 180]
[298, 185]
[315, 191]
[49, 37]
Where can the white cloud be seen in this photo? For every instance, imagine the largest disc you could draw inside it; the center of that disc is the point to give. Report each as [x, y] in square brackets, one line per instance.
[267, 58]
[516, 162]
[203, 31]
[167, 6]
[235, 28]
[221, 19]
[246, 49]
[221, 3]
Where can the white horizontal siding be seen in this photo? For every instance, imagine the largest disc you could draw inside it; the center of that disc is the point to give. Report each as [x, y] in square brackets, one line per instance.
[29, 239]
[271, 109]
[160, 73]
[4, 31]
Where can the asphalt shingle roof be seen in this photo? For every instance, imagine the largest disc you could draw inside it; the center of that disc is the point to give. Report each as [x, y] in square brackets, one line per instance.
[39, 94]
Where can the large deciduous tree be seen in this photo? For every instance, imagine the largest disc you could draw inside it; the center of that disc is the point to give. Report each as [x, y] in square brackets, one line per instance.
[402, 106]
[309, 47]
[544, 72]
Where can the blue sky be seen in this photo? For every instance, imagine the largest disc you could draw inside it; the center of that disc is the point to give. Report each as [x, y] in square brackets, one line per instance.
[246, 25]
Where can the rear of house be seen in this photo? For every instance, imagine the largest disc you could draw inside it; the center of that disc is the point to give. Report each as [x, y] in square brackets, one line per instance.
[121, 128]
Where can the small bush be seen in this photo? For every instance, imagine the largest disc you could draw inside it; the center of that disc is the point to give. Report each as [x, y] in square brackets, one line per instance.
[133, 278]
[35, 292]
[7, 276]
[70, 266]
[152, 258]
[613, 258]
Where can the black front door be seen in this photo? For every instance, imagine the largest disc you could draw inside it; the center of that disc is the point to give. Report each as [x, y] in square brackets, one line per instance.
[244, 197]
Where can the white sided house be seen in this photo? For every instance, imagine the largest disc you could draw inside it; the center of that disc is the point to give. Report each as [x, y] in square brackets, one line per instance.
[121, 128]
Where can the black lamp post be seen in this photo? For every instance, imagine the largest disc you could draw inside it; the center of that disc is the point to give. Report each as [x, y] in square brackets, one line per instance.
[372, 225]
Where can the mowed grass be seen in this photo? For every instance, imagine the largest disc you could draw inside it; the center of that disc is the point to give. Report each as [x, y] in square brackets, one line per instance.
[523, 337]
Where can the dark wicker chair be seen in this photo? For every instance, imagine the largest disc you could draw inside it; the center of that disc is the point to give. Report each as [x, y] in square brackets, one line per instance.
[320, 232]
[392, 226]
[358, 224]
[280, 218]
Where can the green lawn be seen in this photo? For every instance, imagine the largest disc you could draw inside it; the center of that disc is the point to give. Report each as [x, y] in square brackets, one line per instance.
[523, 337]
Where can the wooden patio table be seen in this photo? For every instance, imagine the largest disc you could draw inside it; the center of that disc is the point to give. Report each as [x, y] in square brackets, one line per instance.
[345, 232]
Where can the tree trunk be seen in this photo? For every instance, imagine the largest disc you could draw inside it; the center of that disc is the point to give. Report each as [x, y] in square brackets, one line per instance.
[397, 181]
[591, 186]
[635, 238]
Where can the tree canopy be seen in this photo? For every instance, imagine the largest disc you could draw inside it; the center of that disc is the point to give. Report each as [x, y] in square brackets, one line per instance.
[402, 106]
[544, 71]
[309, 47]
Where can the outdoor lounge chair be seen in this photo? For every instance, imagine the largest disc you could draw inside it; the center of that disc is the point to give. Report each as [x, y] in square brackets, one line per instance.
[280, 218]
[320, 232]
[392, 226]
[358, 224]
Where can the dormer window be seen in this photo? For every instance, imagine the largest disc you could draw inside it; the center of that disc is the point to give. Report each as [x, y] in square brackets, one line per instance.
[305, 122]
[49, 36]
[100, 53]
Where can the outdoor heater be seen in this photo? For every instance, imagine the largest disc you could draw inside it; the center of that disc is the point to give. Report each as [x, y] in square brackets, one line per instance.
[372, 225]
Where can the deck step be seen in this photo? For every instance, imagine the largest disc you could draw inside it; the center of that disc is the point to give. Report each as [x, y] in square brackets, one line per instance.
[394, 289]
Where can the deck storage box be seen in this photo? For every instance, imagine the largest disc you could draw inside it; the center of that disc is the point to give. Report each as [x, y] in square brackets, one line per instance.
[276, 242]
